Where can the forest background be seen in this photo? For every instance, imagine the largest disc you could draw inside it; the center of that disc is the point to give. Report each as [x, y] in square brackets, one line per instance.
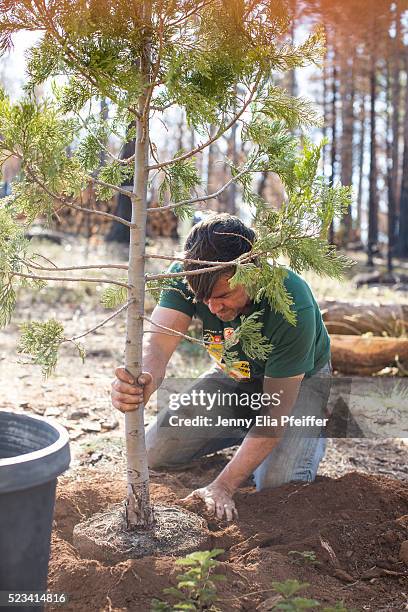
[362, 95]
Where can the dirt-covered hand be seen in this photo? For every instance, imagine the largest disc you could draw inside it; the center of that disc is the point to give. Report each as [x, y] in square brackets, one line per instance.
[218, 500]
[126, 395]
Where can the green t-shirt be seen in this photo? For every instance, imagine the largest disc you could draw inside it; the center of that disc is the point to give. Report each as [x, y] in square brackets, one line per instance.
[304, 348]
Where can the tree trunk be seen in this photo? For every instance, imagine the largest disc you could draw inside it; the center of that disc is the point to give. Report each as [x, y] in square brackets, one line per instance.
[211, 181]
[403, 217]
[325, 111]
[231, 192]
[119, 232]
[394, 91]
[346, 144]
[333, 136]
[373, 193]
[139, 513]
[180, 131]
[292, 73]
[388, 148]
[354, 318]
[262, 184]
[361, 146]
[104, 114]
[365, 356]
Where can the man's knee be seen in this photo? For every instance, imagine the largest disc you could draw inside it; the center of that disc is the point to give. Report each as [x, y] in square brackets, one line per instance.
[283, 465]
[156, 459]
[158, 456]
[153, 460]
[269, 481]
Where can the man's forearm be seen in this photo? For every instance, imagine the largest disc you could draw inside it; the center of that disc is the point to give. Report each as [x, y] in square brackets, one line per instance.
[248, 457]
[154, 363]
[259, 442]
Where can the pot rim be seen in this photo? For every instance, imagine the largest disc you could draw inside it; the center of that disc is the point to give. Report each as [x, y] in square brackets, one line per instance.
[63, 440]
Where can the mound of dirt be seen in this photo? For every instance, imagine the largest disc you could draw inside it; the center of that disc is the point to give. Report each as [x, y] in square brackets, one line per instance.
[354, 525]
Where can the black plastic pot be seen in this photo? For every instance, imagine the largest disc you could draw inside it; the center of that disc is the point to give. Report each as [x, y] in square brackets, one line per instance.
[33, 452]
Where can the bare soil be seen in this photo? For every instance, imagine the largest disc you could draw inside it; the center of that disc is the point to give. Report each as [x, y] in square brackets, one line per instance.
[354, 524]
[354, 517]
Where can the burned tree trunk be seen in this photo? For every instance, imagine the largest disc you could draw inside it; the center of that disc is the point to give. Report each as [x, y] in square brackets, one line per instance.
[403, 217]
[333, 136]
[361, 146]
[119, 232]
[394, 93]
[346, 143]
[373, 193]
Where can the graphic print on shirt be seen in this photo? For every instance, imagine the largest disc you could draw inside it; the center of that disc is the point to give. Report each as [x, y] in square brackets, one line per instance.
[240, 369]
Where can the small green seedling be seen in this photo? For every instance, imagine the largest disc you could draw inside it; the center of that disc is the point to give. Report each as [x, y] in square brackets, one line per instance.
[304, 557]
[289, 590]
[196, 588]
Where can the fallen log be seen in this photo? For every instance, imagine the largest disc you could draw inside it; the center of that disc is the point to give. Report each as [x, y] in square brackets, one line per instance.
[355, 318]
[362, 356]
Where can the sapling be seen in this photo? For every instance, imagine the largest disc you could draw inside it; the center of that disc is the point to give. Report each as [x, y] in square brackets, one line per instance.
[196, 587]
[290, 590]
[304, 556]
[217, 60]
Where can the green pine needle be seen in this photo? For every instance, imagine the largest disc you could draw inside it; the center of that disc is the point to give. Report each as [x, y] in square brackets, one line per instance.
[249, 335]
[115, 174]
[296, 112]
[179, 181]
[41, 341]
[114, 296]
[274, 290]
[7, 303]
[157, 286]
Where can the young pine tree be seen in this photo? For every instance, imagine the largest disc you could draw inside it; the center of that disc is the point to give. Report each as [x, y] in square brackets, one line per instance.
[145, 57]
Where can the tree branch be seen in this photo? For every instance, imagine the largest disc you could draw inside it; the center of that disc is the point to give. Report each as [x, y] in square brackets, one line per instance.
[202, 198]
[121, 190]
[71, 279]
[46, 259]
[187, 16]
[155, 72]
[70, 52]
[63, 201]
[161, 108]
[150, 277]
[218, 266]
[91, 211]
[90, 267]
[217, 135]
[235, 234]
[112, 316]
[100, 143]
[196, 261]
[173, 332]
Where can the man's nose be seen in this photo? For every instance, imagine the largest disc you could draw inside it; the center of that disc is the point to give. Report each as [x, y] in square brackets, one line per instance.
[213, 306]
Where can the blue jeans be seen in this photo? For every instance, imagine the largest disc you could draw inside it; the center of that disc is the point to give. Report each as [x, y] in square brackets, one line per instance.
[296, 456]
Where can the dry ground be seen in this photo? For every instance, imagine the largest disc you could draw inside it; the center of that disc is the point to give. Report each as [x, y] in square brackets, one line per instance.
[78, 397]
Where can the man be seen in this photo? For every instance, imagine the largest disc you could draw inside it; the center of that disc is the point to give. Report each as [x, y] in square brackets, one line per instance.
[291, 376]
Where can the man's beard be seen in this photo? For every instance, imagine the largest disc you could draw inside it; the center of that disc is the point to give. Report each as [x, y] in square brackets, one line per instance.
[227, 316]
[233, 313]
